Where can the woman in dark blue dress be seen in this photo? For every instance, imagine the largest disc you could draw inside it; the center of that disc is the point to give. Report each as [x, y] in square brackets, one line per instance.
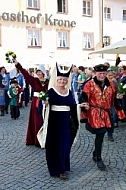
[58, 141]
[59, 136]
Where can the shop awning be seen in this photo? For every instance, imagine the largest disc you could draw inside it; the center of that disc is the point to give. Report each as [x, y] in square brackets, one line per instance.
[116, 48]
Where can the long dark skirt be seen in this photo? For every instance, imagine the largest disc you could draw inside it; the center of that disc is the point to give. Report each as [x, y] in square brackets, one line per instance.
[58, 143]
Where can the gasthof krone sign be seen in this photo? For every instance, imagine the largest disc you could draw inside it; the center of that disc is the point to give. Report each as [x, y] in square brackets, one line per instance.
[48, 19]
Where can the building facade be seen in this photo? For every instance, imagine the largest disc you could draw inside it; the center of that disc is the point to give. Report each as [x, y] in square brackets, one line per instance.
[114, 25]
[66, 31]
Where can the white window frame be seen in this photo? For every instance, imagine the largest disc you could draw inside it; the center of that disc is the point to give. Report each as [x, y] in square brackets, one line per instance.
[32, 2]
[87, 9]
[87, 41]
[33, 39]
[64, 7]
[124, 15]
[107, 15]
[62, 39]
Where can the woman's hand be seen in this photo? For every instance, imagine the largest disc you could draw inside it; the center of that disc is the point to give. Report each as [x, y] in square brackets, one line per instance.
[119, 96]
[15, 62]
[85, 105]
[46, 102]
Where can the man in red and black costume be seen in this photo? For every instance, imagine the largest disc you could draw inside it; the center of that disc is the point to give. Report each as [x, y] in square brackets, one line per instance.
[99, 95]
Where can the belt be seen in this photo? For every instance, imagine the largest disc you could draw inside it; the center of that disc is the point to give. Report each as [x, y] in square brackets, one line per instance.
[101, 109]
[36, 94]
[60, 108]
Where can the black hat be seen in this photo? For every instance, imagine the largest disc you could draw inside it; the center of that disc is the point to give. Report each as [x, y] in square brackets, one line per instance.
[100, 67]
[62, 74]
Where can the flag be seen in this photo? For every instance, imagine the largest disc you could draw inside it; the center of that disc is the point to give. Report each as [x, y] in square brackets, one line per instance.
[117, 60]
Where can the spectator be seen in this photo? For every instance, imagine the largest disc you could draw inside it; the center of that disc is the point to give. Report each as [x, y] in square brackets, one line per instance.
[2, 91]
[123, 80]
[75, 84]
[81, 79]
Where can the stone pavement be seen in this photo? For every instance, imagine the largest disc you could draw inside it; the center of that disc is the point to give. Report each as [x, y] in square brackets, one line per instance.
[24, 167]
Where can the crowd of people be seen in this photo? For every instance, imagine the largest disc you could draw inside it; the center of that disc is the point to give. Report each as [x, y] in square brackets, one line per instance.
[19, 99]
[24, 95]
[78, 95]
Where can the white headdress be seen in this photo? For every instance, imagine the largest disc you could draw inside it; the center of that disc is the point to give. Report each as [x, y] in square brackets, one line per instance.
[42, 68]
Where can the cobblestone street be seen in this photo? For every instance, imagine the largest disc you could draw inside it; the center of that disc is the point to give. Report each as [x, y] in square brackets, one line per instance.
[24, 167]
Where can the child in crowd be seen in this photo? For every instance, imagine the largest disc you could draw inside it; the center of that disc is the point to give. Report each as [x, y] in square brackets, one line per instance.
[14, 94]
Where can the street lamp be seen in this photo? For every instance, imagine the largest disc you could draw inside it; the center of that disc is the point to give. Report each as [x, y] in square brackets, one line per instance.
[51, 54]
[106, 40]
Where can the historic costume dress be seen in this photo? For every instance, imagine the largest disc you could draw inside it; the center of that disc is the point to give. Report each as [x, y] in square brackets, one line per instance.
[100, 95]
[100, 100]
[13, 92]
[60, 125]
[59, 136]
[35, 118]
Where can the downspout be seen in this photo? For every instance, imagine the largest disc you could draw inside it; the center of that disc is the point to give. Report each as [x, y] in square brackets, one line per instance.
[102, 23]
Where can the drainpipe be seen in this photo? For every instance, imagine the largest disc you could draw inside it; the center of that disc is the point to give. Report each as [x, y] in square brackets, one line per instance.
[102, 23]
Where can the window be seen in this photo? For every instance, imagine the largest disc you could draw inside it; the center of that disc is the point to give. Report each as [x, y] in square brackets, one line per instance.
[87, 8]
[62, 39]
[107, 13]
[62, 6]
[87, 41]
[33, 4]
[34, 38]
[106, 40]
[124, 15]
